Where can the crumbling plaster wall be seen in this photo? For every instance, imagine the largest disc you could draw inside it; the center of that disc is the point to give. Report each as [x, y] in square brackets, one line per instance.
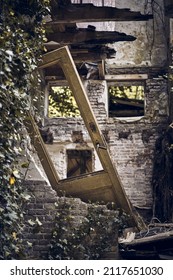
[151, 39]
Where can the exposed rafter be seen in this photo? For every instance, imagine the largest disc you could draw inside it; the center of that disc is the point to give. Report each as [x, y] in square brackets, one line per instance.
[73, 13]
[88, 36]
[86, 44]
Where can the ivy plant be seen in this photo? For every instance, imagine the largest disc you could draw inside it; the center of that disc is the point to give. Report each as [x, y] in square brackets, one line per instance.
[22, 36]
[87, 237]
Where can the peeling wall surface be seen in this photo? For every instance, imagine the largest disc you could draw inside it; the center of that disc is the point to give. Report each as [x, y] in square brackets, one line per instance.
[131, 140]
[150, 46]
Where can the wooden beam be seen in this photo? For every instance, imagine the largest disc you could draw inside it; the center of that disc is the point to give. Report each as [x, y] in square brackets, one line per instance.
[87, 36]
[101, 67]
[63, 56]
[87, 186]
[82, 54]
[126, 113]
[126, 77]
[150, 239]
[42, 152]
[129, 102]
[94, 187]
[89, 13]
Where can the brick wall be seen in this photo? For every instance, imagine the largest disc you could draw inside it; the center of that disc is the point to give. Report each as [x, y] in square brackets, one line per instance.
[41, 209]
[131, 141]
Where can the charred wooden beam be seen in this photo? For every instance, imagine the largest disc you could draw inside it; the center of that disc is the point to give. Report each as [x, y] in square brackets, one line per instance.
[88, 36]
[74, 13]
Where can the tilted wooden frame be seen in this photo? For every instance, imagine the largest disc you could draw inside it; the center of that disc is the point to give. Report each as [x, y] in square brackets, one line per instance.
[104, 185]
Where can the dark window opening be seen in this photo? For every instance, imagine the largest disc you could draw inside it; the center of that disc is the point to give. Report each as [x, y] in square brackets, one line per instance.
[79, 162]
[126, 99]
[62, 103]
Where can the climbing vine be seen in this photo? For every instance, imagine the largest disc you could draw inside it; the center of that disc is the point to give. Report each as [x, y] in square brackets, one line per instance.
[21, 45]
[84, 237]
[62, 103]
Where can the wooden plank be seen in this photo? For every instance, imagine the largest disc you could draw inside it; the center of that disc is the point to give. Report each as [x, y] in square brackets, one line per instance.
[126, 113]
[129, 102]
[150, 239]
[126, 77]
[94, 187]
[91, 124]
[82, 183]
[85, 35]
[42, 152]
[89, 13]
[101, 67]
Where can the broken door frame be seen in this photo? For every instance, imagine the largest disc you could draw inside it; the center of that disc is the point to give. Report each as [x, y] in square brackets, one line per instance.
[63, 57]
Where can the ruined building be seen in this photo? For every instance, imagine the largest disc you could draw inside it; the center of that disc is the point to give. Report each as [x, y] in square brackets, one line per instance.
[122, 52]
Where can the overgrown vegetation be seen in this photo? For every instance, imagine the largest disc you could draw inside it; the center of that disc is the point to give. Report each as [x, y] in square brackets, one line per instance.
[21, 44]
[163, 177]
[88, 237]
[127, 91]
[62, 103]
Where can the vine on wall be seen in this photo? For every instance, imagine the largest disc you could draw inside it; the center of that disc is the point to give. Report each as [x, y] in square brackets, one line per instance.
[85, 237]
[21, 45]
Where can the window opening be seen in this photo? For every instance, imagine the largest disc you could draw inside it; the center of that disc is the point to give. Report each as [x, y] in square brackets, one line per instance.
[79, 162]
[62, 102]
[126, 99]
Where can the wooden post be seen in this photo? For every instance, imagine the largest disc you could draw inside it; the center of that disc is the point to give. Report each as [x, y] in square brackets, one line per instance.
[42, 152]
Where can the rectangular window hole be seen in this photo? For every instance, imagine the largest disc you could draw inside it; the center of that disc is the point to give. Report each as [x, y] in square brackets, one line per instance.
[126, 99]
[62, 103]
[79, 162]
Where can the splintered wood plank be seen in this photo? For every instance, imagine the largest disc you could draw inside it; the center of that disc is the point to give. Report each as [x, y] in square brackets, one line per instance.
[42, 152]
[74, 13]
[64, 57]
[87, 36]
